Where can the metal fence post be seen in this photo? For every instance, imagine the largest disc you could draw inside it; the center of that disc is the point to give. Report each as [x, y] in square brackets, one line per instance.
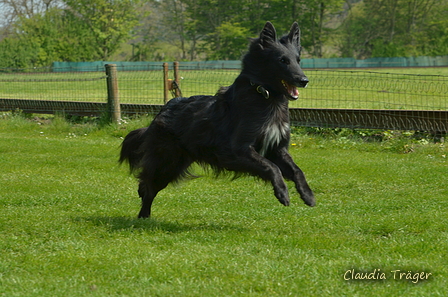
[166, 86]
[113, 98]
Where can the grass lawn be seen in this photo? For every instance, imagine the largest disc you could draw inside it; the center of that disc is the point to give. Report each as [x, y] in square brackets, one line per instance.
[68, 223]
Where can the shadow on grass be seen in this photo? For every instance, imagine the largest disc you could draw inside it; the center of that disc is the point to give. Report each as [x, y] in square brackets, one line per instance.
[118, 224]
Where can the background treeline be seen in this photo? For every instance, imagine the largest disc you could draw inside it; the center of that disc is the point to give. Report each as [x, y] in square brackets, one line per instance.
[35, 33]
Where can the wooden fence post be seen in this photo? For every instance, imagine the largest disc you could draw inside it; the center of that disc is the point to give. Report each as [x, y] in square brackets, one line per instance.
[176, 79]
[113, 98]
[166, 84]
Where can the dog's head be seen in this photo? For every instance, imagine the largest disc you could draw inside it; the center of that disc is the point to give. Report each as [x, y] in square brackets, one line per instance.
[275, 63]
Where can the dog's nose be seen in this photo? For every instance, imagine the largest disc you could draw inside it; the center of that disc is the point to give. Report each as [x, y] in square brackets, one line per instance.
[303, 81]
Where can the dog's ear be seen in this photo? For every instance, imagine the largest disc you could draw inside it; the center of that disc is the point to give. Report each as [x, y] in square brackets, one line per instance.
[268, 36]
[294, 35]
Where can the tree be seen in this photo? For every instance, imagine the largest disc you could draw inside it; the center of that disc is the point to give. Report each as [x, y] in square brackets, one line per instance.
[58, 36]
[229, 42]
[34, 41]
[391, 28]
[16, 54]
[213, 29]
[110, 21]
[315, 14]
[76, 32]
[51, 36]
[176, 20]
[357, 32]
[434, 40]
[12, 10]
[205, 18]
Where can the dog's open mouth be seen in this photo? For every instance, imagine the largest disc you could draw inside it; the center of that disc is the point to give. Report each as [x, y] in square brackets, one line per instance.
[292, 91]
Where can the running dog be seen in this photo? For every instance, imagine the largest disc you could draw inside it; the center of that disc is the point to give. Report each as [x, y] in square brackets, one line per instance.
[244, 128]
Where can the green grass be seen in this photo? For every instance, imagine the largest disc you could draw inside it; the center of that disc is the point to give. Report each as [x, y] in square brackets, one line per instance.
[403, 88]
[68, 222]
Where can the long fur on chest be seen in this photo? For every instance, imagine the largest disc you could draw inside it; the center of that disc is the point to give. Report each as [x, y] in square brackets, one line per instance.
[275, 129]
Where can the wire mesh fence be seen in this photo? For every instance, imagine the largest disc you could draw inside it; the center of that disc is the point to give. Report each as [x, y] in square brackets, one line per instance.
[83, 86]
[328, 89]
[375, 90]
[352, 89]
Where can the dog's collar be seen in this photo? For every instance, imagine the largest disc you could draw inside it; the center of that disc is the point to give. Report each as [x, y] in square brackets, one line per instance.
[260, 89]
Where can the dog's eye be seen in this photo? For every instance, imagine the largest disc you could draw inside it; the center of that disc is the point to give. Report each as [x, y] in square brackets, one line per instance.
[284, 61]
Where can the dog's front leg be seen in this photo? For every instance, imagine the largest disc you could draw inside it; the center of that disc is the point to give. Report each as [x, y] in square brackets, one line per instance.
[248, 160]
[292, 172]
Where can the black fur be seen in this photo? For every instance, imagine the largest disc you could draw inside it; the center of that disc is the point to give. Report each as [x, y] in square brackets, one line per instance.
[244, 128]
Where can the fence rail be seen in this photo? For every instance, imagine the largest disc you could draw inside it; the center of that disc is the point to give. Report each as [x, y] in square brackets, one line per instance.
[334, 98]
[419, 120]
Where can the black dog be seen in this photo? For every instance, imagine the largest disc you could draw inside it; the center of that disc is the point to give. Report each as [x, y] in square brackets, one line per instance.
[244, 128]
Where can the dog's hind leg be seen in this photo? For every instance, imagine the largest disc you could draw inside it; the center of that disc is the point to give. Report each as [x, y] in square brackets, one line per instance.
[292, 172]
[147, 193]
[155, 178]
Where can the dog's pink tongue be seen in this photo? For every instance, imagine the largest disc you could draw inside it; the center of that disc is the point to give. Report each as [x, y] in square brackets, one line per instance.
[293, 92]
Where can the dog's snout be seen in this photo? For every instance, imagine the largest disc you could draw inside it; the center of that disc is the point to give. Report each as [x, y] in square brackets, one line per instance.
[303, 81]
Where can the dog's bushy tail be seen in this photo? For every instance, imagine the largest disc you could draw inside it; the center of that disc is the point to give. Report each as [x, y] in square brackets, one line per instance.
[131, 149]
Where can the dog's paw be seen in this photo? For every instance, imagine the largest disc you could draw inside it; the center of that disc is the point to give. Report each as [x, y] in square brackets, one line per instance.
[309, 199]
[143, 214]
[285, 202]
[283, 197]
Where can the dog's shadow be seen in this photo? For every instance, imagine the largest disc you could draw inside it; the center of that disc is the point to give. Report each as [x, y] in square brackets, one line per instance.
[119, 224]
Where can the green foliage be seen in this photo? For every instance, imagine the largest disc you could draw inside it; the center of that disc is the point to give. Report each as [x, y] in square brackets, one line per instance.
[380, 28]
[388, 49]
[59, 36]
[110, 22]
[68, 223]
[40, 40]
[228, 42]
[218, 29]
[16, 53]
[312, 21]
[85, 31]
